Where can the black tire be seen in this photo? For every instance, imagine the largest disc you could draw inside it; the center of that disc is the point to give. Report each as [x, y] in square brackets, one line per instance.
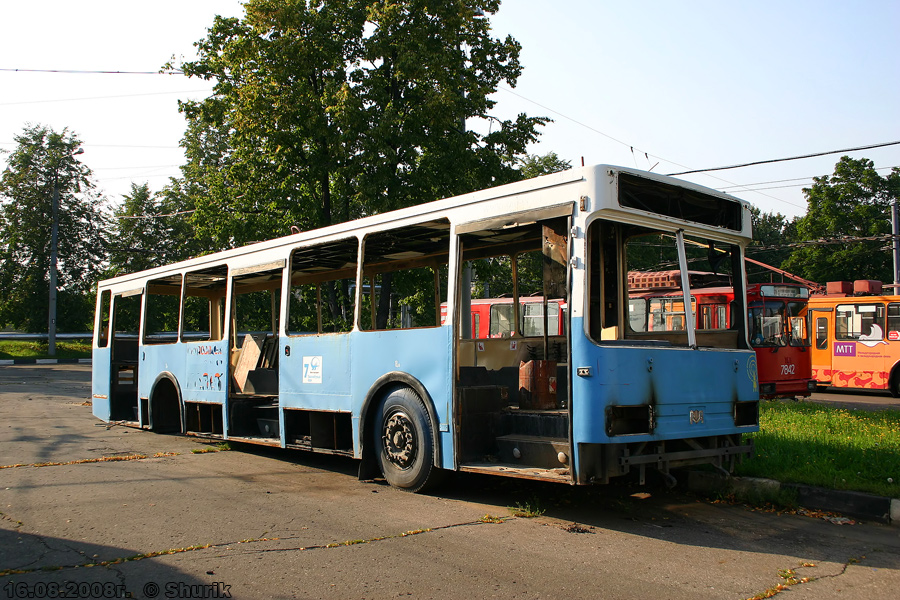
[404, 440]
[894, 383]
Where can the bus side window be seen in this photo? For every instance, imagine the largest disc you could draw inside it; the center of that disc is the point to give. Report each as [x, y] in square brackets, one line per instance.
[203, 310]
[256, 301]
[323, 288]
[405, 276]
[821, 333]
[161, 311]
[502, 320]
[102, 333]
[893, 321]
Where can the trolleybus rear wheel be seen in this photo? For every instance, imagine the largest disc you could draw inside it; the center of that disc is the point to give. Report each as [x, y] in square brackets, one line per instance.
[894, 382]
[404, 440]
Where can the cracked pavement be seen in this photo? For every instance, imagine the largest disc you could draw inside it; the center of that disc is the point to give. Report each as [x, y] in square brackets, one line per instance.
[282, 524]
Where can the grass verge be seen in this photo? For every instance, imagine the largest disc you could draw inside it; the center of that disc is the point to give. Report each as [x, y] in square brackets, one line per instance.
[828, 447]
[10, 349]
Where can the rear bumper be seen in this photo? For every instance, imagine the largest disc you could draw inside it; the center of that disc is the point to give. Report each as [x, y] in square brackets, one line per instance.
[601, 462]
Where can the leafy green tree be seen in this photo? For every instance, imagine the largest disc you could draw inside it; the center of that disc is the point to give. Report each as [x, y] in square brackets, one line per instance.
[43, 160]
[853, 203]
[772, 235]
[328, 111]
[534, 165]
[148, 231]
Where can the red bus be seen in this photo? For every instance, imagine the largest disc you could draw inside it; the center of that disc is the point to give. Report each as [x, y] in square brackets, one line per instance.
[778, 323]
[779, 332]
[494, 317]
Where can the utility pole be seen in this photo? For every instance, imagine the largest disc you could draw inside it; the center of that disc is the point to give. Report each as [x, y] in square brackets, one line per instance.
[54, 238]
[54, 243]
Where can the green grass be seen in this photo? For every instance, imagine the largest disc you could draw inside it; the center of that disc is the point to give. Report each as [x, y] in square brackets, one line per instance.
[528, 510]
[828, 447]
[64, 349]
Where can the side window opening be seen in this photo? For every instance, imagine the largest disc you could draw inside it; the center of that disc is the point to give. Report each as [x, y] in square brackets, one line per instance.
[203, 318]
[323, 288]
[101, 336]
[893, 321]
[518, 285]
[859, 322]
[405, 276]
[162, 310]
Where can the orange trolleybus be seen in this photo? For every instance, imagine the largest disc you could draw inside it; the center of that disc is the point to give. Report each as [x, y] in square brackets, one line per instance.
[857, 337]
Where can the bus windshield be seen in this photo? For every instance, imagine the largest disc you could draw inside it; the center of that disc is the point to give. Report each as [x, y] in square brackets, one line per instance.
[677, 290]
[777, 322]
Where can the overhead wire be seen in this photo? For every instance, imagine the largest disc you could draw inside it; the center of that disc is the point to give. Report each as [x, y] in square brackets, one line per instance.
[647, 154]
[776, 160]
[806, 180]
[93, 72]
[632, 147]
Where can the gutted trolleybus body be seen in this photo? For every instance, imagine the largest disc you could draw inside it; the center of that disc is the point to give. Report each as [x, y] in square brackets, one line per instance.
[359, 338]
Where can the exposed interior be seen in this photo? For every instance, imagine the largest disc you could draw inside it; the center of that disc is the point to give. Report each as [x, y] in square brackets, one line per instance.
[638, 295]
[123, 396]
[512, 346]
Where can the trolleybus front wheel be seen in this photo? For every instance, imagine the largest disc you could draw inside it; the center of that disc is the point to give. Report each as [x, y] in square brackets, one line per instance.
[404, 440]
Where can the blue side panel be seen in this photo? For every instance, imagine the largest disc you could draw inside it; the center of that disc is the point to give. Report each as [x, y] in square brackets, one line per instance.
[100, 382]
[424, 354]
[156, 358]
[315, 372]
[205, 372]
[675, 381]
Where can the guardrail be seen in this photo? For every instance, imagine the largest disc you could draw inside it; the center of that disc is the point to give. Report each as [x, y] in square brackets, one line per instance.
[43, 337]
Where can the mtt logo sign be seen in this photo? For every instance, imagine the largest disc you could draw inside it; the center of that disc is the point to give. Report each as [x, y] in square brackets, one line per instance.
[845, 348]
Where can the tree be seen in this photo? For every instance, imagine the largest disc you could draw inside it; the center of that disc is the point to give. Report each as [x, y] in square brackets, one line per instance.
[853, 203]
[323, 112]
[148, 231]
[44, 160]
[772, 238]
[535, 165]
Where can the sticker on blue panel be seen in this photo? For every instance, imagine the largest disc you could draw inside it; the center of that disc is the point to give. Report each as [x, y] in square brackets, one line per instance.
[312, 369]
[752, 373]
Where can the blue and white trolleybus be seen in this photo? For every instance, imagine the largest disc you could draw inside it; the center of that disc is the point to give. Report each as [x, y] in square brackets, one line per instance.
[332, 340]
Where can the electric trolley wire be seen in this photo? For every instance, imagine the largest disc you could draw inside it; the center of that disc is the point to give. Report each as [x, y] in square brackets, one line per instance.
[89, 72]
[776, 160]
[647, 154]
[633, 148]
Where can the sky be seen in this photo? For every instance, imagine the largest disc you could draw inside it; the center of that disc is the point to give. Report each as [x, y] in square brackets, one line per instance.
[657, 85]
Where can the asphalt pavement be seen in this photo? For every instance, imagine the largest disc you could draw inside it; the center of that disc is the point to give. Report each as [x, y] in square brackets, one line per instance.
[100, 510]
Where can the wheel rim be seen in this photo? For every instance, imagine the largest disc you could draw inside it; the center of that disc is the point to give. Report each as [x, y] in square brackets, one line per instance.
[399, 440]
